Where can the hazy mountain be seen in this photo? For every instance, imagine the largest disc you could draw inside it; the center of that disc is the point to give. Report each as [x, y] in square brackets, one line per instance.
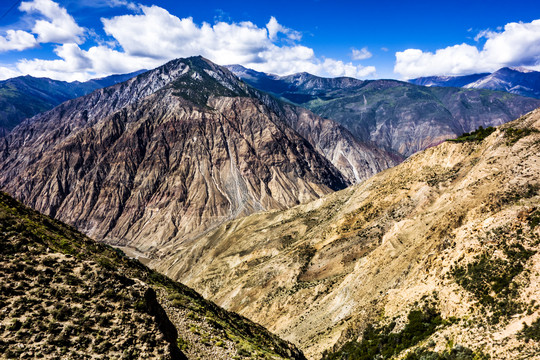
[438, 256]
[166, 156]
[448, 81]
[518, 81]
[394, 115]
[25, 96]
[66, 296]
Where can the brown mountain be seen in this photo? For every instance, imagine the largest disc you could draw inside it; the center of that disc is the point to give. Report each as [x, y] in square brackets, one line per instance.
[173, 152]
[65, 296]
[435, 258]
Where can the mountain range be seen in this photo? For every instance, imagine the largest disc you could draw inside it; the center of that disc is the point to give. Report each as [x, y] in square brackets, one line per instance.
[354, 219]
[518, 81]
[396, 116]
[25, 96]
[173, 152]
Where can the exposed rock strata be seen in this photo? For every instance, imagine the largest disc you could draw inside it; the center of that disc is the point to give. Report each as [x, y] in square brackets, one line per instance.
[165, 155]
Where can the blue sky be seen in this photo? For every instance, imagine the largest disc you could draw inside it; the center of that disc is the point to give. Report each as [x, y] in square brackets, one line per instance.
[77, 40]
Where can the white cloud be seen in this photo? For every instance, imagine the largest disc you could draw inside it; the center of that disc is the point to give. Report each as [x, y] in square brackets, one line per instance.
[117, 3]
[274, 28]
[77, 64]
[6, 73]
[518, 44]
[59, 26]
[153, 36]
[361, 54]
[17, 40]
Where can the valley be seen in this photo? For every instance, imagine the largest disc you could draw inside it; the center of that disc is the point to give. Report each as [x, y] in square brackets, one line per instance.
[376, 223]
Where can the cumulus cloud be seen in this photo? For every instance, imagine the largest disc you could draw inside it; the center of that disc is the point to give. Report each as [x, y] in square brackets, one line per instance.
[361, 54]
[162, 36]
[77, 64]
[517, 44]
[17, 40]
[153, 36]
[6, 73]
[57, 27]
[274, 28]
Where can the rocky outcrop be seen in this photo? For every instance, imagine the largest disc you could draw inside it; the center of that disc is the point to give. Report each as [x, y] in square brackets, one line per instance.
[162, 158]
[453, 229]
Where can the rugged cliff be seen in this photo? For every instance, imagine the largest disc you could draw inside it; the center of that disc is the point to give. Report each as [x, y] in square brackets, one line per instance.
[164, 156]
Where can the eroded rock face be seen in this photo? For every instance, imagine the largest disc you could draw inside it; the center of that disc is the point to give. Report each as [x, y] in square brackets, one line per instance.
[318, 273]
[355, 159]
[170, 153]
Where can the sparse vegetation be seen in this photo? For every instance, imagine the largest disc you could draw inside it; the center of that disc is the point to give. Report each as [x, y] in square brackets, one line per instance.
[477, 135]
[531, 332]
[490, 277]
[512, 135]
[68, 296]
[456, 353]
[383, 343]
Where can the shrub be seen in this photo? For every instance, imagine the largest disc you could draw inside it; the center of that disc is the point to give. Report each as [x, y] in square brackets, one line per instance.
[382, 343]
[477, 135]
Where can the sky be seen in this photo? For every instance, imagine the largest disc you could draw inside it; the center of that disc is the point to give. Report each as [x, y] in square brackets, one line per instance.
[82, 39]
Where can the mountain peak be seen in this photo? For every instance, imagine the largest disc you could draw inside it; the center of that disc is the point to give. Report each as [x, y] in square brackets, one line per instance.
[199, 79]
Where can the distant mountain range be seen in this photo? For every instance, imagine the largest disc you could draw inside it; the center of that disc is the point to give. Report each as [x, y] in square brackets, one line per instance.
[25, 96]
[518, 81]
[394, 115]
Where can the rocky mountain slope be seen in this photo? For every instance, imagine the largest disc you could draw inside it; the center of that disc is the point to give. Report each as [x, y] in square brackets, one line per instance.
[435, 258]
[65, 296]
[394, 115]
[25, 96]
[169, 154]
[518, 81]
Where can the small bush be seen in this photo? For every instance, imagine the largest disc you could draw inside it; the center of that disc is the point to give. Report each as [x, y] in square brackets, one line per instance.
[512, 135]
[531, 332]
